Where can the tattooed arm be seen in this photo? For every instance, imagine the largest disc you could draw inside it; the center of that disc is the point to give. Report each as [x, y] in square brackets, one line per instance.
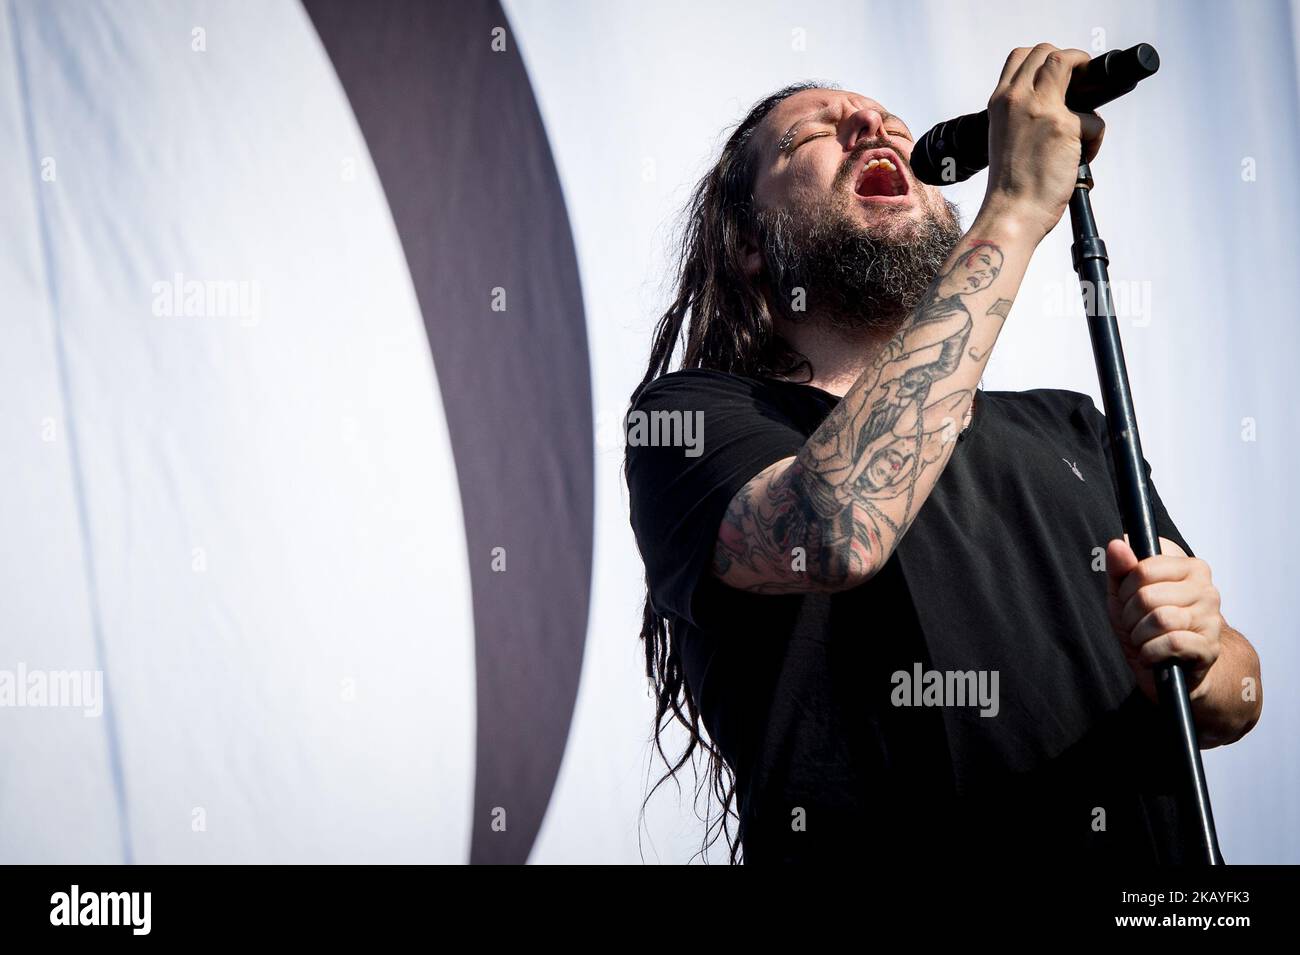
[828, 518]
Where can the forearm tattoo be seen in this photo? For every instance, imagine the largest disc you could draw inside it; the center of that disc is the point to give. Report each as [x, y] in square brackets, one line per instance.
[842, 505]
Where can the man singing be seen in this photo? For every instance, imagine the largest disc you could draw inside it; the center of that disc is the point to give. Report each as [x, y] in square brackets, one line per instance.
[895, 612]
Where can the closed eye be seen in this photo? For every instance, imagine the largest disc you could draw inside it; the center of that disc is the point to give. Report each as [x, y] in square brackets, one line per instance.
[810, 138]
[888, 132]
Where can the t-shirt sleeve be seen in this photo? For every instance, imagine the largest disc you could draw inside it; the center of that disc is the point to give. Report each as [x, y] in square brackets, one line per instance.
[729, 430]
[1165, 526]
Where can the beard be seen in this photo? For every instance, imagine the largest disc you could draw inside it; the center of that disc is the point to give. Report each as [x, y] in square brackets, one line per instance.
[852, 277]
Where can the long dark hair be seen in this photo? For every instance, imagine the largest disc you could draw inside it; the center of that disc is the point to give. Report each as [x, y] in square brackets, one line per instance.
[720, 316]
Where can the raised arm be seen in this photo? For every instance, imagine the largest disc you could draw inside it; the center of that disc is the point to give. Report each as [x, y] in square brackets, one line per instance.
[830, 517]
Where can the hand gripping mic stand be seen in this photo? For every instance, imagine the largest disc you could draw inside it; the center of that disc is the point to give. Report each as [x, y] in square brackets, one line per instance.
[955, 150]
[1090, 262]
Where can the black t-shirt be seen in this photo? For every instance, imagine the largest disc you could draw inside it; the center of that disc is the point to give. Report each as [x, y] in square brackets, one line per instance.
[1002, 572]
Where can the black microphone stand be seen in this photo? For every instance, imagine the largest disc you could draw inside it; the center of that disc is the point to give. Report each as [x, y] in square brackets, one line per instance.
[1090, 262]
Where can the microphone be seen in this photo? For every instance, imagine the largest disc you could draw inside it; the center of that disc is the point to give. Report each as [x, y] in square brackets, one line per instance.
[957, 149]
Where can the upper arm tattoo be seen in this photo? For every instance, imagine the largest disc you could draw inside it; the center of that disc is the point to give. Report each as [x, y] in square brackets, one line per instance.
[833, 514]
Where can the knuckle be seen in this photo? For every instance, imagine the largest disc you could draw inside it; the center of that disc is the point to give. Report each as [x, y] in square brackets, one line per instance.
[1063, 125]
[1031, 107]
[1166, 618]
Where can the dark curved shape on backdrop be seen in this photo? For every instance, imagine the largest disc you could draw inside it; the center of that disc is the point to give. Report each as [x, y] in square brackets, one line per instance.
[456, 136]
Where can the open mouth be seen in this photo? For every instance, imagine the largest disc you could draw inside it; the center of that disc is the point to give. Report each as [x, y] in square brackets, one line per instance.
[881, 176]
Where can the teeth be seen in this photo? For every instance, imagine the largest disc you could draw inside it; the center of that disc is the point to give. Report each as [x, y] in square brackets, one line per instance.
[889, 166]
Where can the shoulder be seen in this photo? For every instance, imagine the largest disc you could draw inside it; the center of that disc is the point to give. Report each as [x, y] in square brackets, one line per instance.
[693, 387]
[747, 421]
[1054, 408]
[1054, 402]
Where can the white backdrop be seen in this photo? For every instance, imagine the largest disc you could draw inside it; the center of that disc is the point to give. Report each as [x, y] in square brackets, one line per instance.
[635, 97]
[224, 511]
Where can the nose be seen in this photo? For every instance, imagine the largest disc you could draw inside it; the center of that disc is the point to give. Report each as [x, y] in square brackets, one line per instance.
[865, 124]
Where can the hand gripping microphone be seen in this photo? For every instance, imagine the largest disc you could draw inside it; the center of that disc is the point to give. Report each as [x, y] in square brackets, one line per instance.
[957, 149]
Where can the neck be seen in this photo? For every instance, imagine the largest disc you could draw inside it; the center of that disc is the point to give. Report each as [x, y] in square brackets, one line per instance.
[838, 356]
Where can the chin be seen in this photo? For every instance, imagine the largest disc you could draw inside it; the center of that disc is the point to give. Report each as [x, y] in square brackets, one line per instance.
[893, 226]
